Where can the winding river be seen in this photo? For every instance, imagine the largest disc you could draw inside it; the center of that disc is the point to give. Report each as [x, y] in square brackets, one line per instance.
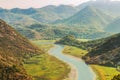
[84, 72]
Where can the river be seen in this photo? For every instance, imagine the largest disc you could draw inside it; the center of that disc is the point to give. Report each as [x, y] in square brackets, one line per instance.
[84, 71]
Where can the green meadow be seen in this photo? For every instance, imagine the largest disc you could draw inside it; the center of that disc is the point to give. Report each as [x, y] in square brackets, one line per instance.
[44, 66]
[74, 51]
[104, 72]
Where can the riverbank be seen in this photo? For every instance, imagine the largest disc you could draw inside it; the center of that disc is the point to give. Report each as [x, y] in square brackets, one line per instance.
[83, 69]
[92, 68]
[73, 74]
[74, 50]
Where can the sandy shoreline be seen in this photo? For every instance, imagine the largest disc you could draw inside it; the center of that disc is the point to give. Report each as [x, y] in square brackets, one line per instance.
[73, 75]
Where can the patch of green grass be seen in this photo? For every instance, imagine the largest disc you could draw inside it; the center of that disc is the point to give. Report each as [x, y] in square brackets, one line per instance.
[83, 40]
[74, 51]
[45, 45]
[43, 41]
[104, 73]
[46, 67]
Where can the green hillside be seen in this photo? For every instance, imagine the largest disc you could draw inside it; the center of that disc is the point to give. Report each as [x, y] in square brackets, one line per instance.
[71, 41]
[107, 6]
[89, 17]
[114, 26]
[107, 53]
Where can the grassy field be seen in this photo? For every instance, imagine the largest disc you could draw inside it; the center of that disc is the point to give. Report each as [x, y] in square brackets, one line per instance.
[44, 66]
[74, 51]
[84, 40]
[104, 72]
[44, 44]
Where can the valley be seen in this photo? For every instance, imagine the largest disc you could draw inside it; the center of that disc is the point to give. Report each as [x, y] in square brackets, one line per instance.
[52, 40]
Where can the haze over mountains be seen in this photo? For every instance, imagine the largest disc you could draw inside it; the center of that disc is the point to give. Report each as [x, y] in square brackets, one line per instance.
[90, 20]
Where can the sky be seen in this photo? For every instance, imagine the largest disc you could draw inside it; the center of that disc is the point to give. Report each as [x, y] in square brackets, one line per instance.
[8, 4]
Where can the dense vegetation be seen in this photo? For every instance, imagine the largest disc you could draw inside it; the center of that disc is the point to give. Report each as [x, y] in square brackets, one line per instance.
[13, 50]
[117, 77]
[107, 53]
[71, 41]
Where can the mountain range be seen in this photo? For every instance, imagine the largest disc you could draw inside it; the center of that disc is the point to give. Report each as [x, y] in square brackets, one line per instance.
[91, 20]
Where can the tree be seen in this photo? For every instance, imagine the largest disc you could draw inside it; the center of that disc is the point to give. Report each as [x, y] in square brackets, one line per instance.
[116, 77]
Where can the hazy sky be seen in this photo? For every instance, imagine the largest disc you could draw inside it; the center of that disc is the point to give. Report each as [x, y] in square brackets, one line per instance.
[37, 3]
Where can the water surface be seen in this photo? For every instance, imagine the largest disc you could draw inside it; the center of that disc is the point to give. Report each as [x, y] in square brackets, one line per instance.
[84, 70]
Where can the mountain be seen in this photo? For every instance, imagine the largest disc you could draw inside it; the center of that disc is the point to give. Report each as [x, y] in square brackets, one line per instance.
[107, 6]
[107, 53]
[45, 14]
[89, 17]
[114, 26]
[28, 11]
[14, 48]
[89, 20]
[89, 23]
[12, 18]
[52, 13]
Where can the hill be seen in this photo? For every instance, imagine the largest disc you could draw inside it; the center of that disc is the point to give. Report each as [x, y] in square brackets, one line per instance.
[114, 26]
[88, 17]
[107, 53]
[107, 6]
[71, 41]
[13, 50]
[37, 15]
[102, 51]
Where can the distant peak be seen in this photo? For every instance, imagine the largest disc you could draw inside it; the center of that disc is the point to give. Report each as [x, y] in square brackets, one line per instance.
[91, 8]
